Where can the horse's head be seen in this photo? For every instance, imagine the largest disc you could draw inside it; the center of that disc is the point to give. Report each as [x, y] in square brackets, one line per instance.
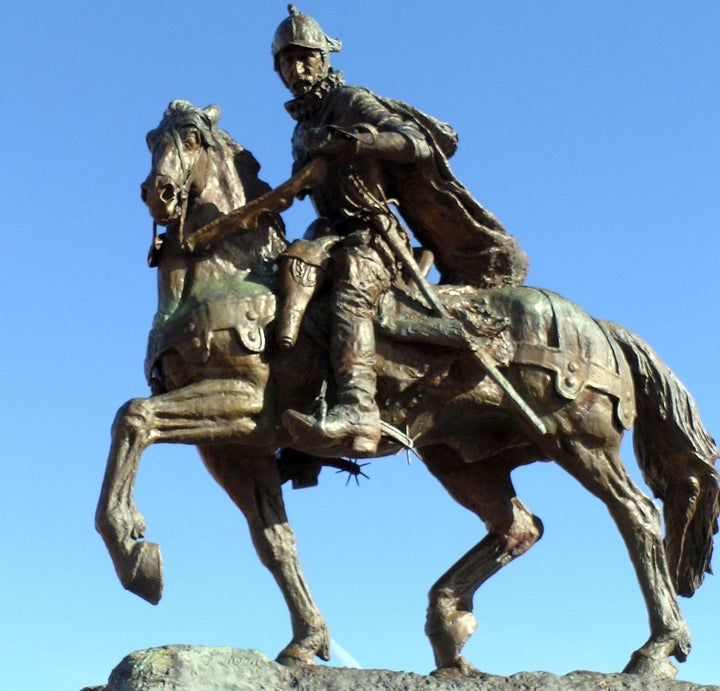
[180, 148]
[198, 174]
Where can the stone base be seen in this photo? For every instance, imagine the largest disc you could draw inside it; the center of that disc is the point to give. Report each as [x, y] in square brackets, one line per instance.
[195, 668]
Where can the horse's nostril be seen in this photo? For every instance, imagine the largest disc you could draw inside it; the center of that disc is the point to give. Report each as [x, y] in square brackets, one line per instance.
[167, 193]
[143, 193]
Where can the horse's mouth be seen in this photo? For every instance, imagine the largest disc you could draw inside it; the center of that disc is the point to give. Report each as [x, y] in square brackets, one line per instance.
[163, 214]
[163, 220]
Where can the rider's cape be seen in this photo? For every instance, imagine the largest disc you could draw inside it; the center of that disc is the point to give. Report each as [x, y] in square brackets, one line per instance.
[470, 245]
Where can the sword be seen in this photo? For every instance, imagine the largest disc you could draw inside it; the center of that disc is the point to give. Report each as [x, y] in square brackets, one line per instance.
[388, 225]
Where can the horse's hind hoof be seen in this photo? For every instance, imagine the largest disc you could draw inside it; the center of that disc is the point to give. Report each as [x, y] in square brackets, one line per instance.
[144, 574]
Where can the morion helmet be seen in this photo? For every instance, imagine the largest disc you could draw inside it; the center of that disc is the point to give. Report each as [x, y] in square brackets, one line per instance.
[302, 30]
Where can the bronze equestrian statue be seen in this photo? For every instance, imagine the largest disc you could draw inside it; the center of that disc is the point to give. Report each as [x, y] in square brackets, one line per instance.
[478, 379]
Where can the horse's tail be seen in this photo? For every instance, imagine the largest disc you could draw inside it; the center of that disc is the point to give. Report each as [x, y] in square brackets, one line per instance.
[677, 458]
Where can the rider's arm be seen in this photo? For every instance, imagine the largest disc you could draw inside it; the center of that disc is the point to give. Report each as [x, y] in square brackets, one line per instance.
[378, 132]
[402, 143]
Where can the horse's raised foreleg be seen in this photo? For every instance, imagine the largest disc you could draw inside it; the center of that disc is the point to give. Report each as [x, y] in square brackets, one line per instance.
[253, 483]
[600, 470]
[199, 413]
[138, 564]
[512, 531]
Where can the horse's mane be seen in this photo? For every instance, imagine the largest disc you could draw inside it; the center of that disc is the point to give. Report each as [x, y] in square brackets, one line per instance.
[205, 119]
[246, 164]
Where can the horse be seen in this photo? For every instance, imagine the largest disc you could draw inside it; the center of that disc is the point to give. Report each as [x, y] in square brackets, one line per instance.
[219, 381]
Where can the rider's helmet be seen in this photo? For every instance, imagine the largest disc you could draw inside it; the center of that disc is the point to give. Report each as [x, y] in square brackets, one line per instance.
[302, 30]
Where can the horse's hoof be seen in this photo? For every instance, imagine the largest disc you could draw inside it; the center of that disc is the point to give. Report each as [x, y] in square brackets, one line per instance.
[144, 574]
[303, 651]
[461, 670]
[295, 655]
[641, 663]
[287, 660]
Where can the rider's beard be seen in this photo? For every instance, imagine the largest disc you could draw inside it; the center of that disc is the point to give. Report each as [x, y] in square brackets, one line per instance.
[309, 101]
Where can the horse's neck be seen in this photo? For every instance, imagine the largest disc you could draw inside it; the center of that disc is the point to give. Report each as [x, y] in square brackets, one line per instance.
[222, 193]
[181, 276]
[172, 272]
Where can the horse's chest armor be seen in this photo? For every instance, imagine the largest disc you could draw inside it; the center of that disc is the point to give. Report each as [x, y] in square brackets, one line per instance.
[190, 331]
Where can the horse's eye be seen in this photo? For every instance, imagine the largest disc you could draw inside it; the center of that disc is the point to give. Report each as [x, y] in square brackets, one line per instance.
[191, 136]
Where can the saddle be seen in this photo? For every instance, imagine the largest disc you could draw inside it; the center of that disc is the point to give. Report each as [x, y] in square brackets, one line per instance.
[520, 325]
[401, 313]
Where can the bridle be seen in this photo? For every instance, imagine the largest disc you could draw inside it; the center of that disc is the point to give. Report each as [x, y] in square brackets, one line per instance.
[183, 199]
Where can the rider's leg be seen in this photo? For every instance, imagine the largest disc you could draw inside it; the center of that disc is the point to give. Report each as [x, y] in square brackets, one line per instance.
[359, 278]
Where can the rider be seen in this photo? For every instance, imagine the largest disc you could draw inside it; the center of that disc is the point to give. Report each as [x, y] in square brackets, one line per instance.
[395, 152]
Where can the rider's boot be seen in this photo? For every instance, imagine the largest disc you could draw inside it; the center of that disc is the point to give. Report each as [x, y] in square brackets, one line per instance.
[355, 418]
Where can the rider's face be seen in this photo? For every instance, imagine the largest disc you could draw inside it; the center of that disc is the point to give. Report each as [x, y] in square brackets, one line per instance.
[301, 68]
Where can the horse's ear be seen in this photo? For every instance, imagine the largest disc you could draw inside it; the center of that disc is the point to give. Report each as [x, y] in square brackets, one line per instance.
[213, 113]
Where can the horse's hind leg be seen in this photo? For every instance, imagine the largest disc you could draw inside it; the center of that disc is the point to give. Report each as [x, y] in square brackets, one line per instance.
[512, 530]
[253, 483]
[599, 468]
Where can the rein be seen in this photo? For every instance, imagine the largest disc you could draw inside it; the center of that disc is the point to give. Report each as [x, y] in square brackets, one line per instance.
[183, 194]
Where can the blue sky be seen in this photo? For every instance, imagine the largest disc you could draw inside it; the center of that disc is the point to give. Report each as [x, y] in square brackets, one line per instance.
[589, 129]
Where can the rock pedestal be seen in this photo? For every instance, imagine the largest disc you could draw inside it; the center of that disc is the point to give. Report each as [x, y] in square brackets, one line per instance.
[194, 668]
